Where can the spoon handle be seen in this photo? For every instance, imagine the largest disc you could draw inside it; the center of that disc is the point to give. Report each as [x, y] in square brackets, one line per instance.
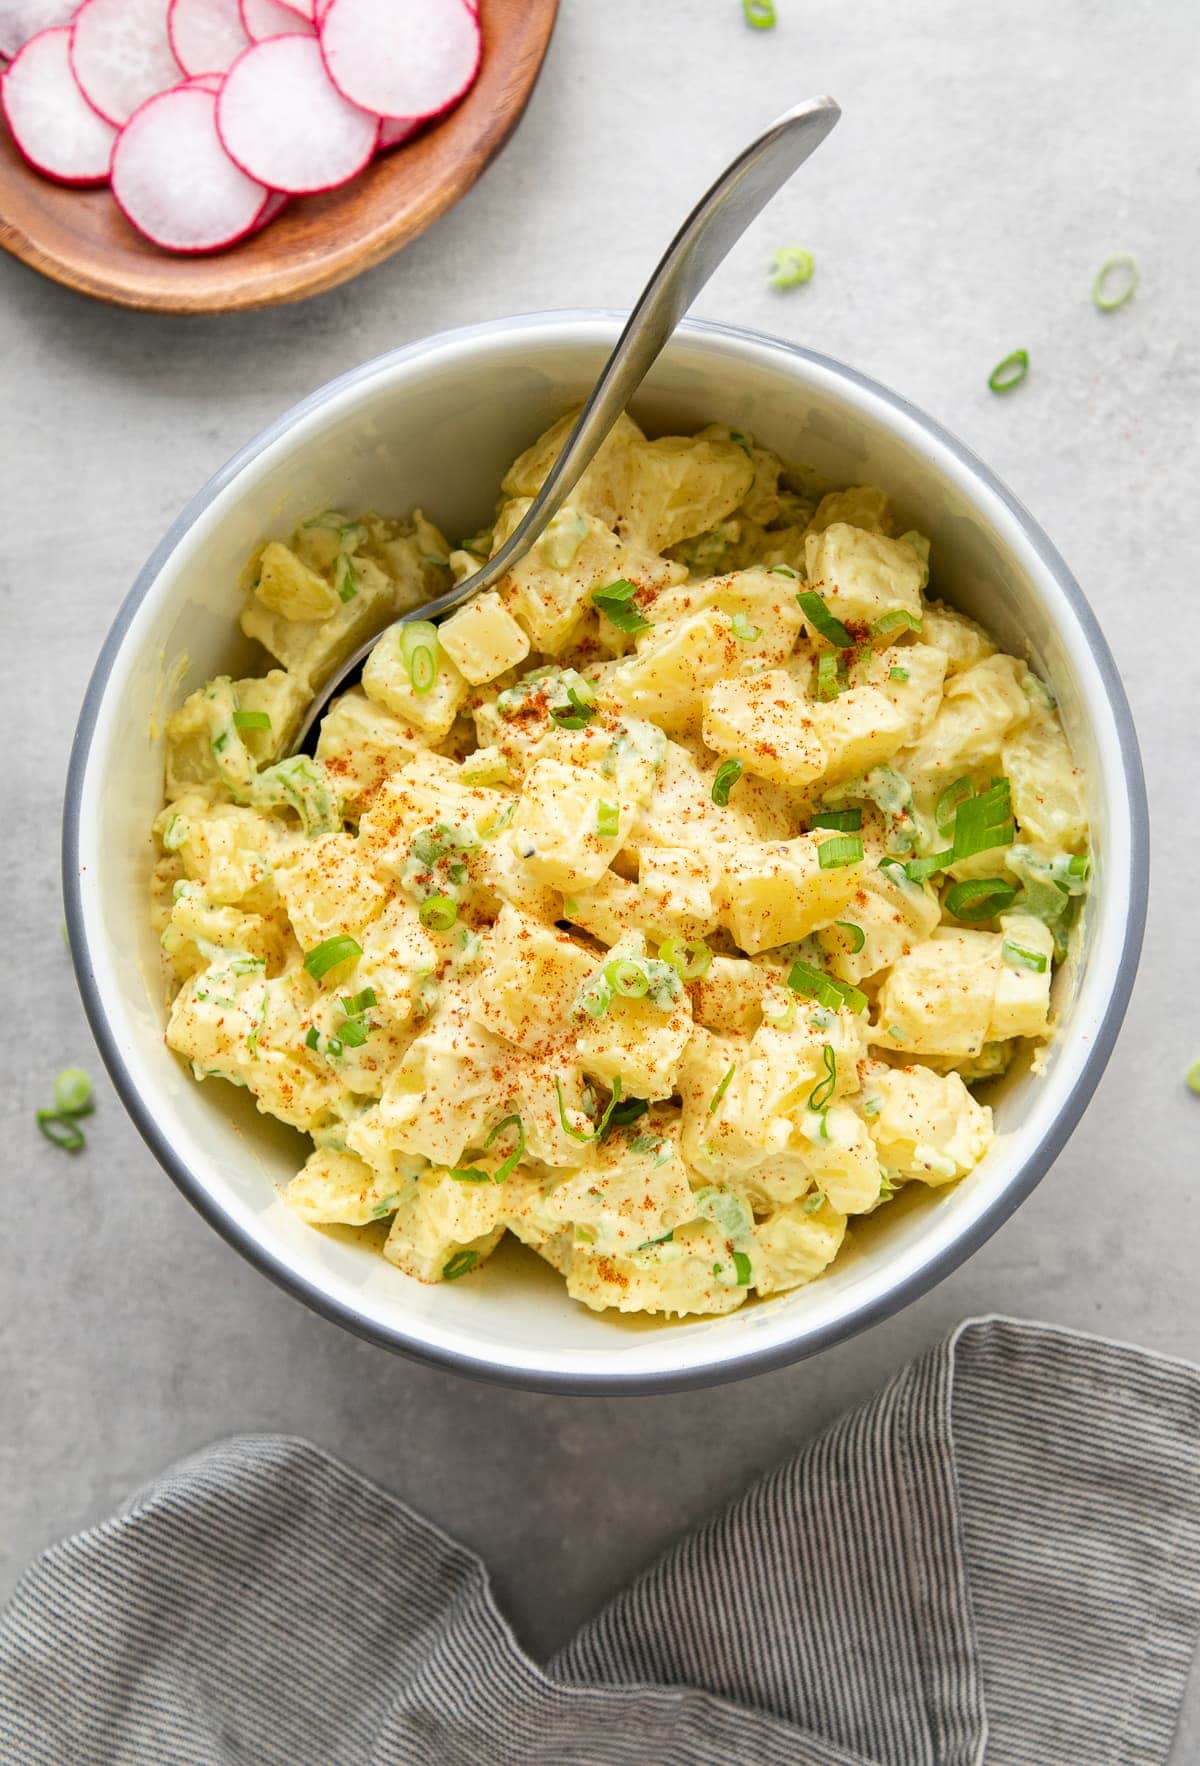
[707, 236]
[702, 243]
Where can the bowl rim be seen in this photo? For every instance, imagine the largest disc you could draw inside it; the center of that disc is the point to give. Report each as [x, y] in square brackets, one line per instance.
[752, 1359]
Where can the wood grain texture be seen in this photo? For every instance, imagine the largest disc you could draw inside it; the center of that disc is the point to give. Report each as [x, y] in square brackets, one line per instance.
[81, 239]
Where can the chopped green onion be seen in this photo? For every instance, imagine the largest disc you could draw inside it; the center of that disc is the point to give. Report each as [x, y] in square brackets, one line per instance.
[827, 990]
[1010, 372]
[331, 953]
[627, 977]
[821, 620]
[344, 579]
[743, 629]
[1192, 1077]
[461, 1263]
[759, 14]
[824, 1089]
[1017, 956]
[846, 849]
[793, 266]
[359, 1002]
[598, 1133]
[60, 1129]
[948, 802]
[438, 912]
[1121, 271]
[845, 821]
[919, 870]
[829, 683]
[854, 933]
[251, 720]
[811, 1203]
[620, 1113]
[419, 650]
[785, 570]
[690, 958]
[313, 1039]
[897, 674]
[576, 1134]
[617, 605]
[887, 1185]
[576, 714]
[741, 1269]
[715, 1100]
[607, 820]
[984, 822]
[728, 774]
[502, 1173]
[73, 1093]
[979, 898]
[897, 620]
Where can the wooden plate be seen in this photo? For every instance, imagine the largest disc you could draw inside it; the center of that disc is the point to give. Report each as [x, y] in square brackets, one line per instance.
[80, 237]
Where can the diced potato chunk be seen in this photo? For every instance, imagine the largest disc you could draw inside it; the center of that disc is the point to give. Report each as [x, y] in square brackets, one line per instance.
[795, 1245]
[926, 1124]
[676, 1279]
[529, 981]
[861, 576]
[862, 506]
[635, 1190]
[312, 649]
[775, 893]
[764, 721]
[438, 1220]
[1021, 1006]
[1047, 786]
[483, 639]
[339, 1189]
[387, 681]
[555, 827]
[361, 743]
[289, 587]
[858, 730]
[327, 889]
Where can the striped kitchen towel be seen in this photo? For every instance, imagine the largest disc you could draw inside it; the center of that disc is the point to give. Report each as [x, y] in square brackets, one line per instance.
[996, 1558]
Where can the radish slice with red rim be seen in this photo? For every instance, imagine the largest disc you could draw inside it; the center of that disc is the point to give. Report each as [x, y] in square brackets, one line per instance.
[22, 19]
[401, 58]
[206, 35]
[121, 54]
[263, 19]
[51, 121]
[175, 182]
[275, 203]
[303, 8]
[285, 123]
[394, 130]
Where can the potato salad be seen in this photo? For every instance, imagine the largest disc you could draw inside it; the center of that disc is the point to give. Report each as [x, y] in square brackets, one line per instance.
[662, 907]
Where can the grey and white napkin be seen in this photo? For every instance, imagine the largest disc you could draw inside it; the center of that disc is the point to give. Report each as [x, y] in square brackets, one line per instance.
[998, 1556]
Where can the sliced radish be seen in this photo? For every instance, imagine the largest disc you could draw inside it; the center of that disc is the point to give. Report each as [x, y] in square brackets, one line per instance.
[402, 58]
[271, 18]
[394, 130]
[206, 82]
[22, 19]
[121, 54]
[206, 35]
[305, 8]
[51, 121]
[175, 182]
[286, 124]
[277, 201]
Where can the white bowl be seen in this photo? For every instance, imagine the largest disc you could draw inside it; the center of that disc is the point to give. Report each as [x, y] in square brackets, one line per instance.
[435, 425]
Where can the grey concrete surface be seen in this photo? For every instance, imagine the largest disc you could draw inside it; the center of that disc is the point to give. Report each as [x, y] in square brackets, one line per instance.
[990, 158]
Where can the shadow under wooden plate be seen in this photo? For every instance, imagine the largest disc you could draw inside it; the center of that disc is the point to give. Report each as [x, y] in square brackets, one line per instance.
[81, 239]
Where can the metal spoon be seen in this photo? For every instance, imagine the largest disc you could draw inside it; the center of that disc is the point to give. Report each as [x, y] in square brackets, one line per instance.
[707, 236]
